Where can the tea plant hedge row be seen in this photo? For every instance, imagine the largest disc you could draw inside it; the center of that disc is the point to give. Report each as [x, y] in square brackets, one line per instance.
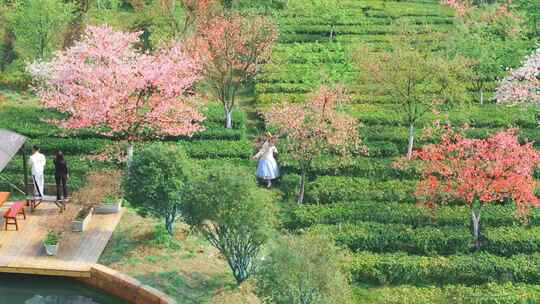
[427, 240]
[403, 213]
[467, 269]
[490, 293]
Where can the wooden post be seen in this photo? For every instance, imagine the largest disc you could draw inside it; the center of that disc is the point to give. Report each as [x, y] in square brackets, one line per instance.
[25, 169]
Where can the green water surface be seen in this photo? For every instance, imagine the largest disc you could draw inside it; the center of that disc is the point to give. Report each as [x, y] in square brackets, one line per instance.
[25, 289]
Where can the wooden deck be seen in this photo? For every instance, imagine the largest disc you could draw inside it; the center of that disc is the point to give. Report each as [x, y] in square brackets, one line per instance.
[23, 252]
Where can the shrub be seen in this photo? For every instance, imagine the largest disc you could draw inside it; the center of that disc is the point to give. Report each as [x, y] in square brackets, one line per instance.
[157, 180]
[233, 214]
[303, 269]
[14, 76]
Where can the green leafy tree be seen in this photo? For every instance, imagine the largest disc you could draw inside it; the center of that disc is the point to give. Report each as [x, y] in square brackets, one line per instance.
[39, 26]
[304, 269]
[531, 9]
[235, 216]
[492, 41]
[156, 182]
[481, 50]
[415, 88]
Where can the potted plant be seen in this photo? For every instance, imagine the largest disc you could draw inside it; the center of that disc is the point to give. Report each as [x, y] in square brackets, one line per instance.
[56, 230]
[82, 219]
[110, 204]
[52, 242]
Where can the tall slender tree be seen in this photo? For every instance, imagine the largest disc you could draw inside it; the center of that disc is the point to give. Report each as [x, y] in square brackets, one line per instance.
[416, 89]
[314, 128]
[234, 47]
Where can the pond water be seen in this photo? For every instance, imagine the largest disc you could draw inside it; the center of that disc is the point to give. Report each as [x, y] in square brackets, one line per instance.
[25, 289]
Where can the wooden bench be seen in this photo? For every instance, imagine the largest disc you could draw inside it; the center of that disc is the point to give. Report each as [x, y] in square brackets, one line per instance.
[10, 216]
[35, 201]
[4, 196]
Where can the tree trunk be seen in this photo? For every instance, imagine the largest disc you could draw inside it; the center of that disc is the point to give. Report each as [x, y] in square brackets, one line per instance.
[475, 216]
[129, 154]
[481, 96]
[302, 188]
[228, 118]
[411, 141]
[169, 224]
[535, 26]
[9, 53]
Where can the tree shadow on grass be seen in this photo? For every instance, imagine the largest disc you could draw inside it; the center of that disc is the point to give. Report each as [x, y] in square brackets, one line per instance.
[130, 234]
[186, 288]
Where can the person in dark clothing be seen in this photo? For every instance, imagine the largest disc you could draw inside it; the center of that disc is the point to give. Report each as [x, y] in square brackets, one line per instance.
[61, 175]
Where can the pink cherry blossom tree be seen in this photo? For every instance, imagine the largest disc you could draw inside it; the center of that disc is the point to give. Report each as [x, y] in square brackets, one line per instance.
[104, 83]
[478, 172]
[233, 47]
[313, 128]
[522, 84]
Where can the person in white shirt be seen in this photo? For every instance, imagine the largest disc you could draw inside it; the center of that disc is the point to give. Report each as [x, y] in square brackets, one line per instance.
[37, 163]
[267, 168]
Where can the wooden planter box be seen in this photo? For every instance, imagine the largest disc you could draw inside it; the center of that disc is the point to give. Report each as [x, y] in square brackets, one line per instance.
[79, 225]
[108, 208]
[51, 250]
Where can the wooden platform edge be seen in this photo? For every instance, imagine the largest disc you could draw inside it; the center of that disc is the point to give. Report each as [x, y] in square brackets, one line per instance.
[74, 273]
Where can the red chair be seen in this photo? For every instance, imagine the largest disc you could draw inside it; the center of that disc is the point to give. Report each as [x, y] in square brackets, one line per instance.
[4, 196]
[10, 216]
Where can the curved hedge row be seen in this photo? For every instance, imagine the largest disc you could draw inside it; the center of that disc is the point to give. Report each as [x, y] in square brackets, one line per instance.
[403, 213]
[28, 121]
[328, 189]
[74, 182]
[70, 145]
[373, 168]
[487, 116]
[196, 149]
[77, 164]
[490, 293]
[218, 149]
[399, 268]
[376, 237]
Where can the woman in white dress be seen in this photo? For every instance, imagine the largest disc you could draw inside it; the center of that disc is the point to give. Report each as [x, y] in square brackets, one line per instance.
[267, 168]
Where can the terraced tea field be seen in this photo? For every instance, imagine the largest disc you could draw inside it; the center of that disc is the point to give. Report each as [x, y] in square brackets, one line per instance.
[402, 253]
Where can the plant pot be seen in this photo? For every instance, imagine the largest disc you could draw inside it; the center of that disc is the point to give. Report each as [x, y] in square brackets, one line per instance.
[79, 225]
[108, 208]
[51, 250]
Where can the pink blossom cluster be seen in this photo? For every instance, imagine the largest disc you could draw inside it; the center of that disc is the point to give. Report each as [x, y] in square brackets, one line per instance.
[103, 82]
[523, 83]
